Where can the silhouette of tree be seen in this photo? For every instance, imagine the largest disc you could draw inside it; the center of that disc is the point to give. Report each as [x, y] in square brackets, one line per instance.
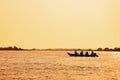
[116, 49]
[106, 49]
[99, 49]
[10, 48]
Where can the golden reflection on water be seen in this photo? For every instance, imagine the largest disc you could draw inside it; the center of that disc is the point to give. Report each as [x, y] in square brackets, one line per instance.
[57, 65]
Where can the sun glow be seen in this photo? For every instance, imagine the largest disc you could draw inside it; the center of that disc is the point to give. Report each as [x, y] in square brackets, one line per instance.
[60, 23]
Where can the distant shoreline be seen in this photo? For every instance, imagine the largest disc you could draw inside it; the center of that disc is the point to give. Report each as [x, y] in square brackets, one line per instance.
[14, 48]
[55, 50]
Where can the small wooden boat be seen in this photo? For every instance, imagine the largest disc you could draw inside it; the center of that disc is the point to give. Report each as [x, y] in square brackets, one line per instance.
[83, 55]
[70, 54]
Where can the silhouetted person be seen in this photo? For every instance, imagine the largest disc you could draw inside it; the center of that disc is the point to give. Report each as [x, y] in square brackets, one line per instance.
[86, 54]
[76, 52]
[81, 53]
[95, 54]
[92, 54]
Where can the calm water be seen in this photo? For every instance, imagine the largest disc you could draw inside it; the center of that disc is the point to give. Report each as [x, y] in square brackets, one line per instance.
[57, 65]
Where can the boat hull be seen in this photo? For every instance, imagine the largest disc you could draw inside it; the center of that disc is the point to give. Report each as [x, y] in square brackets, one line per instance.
[76, 55]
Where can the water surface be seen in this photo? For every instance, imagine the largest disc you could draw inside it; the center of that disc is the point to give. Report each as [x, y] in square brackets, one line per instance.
[57, 65]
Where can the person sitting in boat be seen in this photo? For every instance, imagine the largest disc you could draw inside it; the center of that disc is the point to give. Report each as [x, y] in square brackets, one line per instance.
[86, 54]
[76, 52]
[95, 54]
[81, 53]
[92, 54]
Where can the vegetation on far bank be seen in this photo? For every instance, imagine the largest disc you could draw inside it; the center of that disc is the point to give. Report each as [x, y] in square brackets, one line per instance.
[11, 48]
[60, 49]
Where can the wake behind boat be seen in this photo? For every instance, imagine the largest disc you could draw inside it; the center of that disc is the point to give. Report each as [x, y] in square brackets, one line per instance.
[82, 55]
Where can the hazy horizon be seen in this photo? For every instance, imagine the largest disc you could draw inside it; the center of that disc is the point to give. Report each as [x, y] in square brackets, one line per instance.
[60, 24]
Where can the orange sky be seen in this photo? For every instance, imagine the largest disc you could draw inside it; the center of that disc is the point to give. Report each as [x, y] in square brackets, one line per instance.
[60, 23]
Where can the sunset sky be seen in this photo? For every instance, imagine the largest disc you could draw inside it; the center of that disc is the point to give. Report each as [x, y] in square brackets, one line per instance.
[60, 23]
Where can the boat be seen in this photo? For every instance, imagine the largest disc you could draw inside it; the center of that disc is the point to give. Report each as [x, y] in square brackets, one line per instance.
[70, 54]
[83, 55]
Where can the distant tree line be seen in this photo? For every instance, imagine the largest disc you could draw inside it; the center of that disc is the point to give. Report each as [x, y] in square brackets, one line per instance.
[60, 49]
[10, 48]
[65, 49]
[108, 49]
